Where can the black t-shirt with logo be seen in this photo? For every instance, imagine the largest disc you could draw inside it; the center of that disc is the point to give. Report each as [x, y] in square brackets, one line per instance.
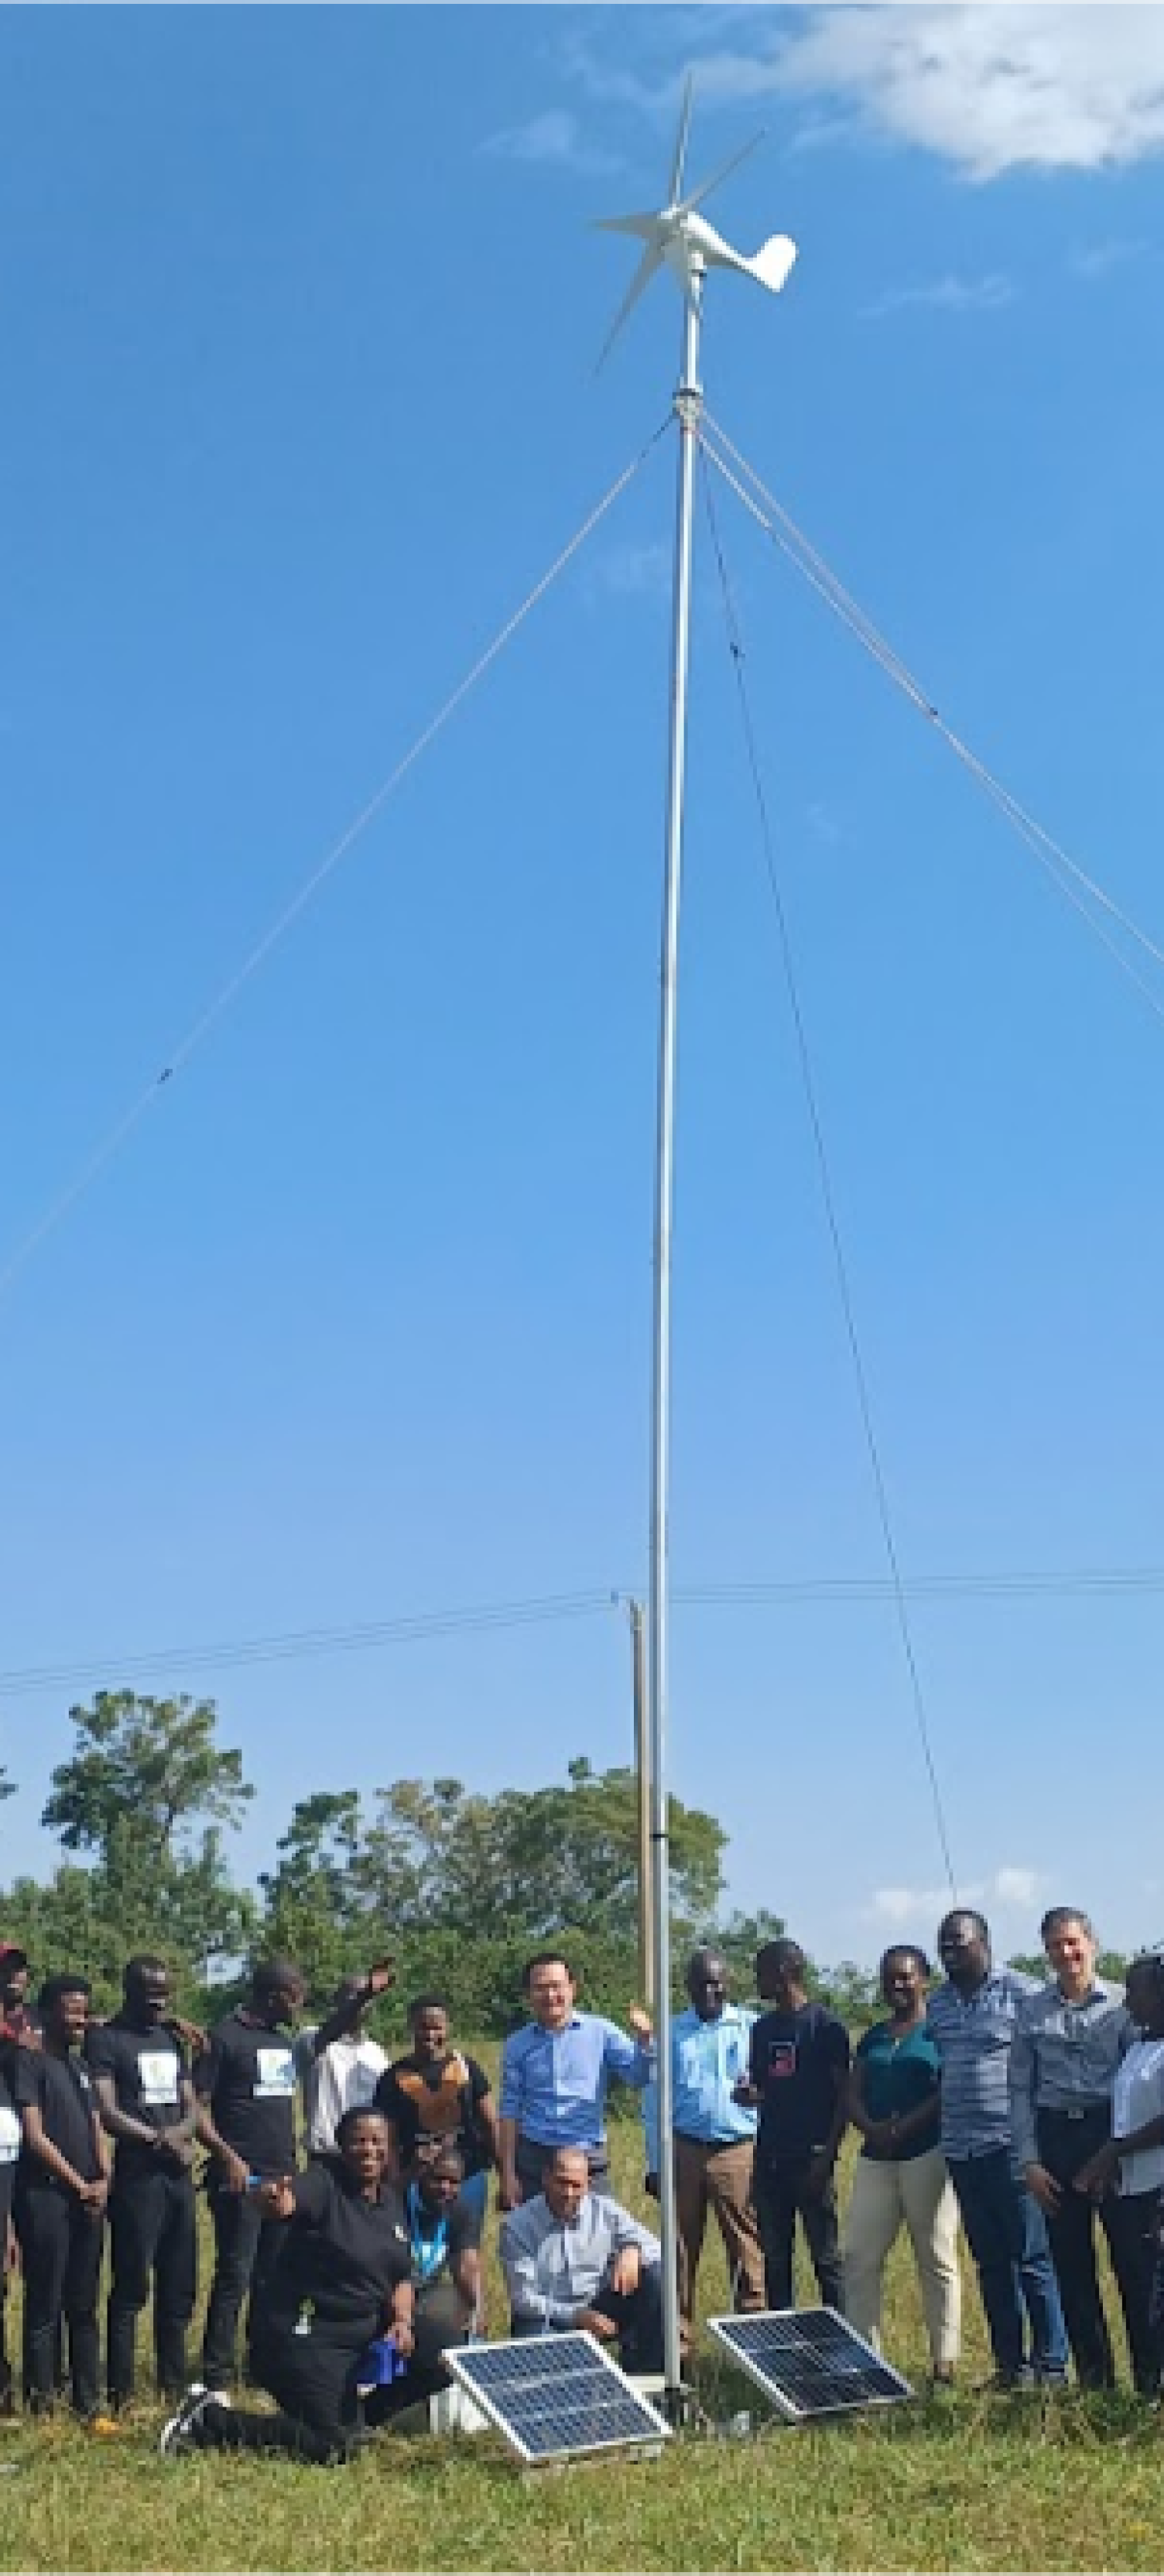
[796, 2059]
[247, 2074]
[146, 2065]
[59, 2088]
[9, 2140]
[427, 2100]
[340, 2262]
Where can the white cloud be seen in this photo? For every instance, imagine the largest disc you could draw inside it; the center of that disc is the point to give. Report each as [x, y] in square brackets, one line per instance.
[1098, 260]
[993, 89]
[626, 571]
[1008, 1889]
[555, 138]
[948, 294]
[1046, 85]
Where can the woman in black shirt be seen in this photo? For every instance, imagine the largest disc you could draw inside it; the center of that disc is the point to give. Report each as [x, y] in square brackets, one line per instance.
[343, 2279]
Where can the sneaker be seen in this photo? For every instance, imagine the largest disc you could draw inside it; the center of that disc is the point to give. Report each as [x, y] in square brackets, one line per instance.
[178, 2434]
[1007, 2383]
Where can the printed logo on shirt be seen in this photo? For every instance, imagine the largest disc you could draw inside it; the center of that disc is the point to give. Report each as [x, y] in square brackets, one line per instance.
[781, 2060]
[9, 2136]
[157, 2074]
[274, 2074]
[81, 2076]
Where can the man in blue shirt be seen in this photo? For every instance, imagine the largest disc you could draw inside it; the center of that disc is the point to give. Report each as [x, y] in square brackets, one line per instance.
[553, 2079]
[972, 2020]
[715, 2137]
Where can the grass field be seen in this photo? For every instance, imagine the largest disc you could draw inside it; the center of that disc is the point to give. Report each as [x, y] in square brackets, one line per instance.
[962, 2481]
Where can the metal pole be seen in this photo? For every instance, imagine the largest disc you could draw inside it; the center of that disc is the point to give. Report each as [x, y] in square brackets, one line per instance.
[687, 405]
[648, 1983]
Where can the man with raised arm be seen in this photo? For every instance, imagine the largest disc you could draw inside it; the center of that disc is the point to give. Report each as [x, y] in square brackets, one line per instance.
[146, 2101]
[554, 2075]
[339, 2067]
[574, 2259]
[245, 2086]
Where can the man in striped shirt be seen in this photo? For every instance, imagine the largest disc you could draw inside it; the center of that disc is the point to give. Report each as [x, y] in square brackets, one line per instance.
[972, 2021]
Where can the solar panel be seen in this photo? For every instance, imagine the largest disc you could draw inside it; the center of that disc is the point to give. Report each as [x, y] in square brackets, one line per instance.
[554, 2395]
[809, 2361]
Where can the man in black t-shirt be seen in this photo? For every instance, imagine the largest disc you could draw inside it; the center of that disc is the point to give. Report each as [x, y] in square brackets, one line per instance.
[146, 2101]
[61, 2189]
[245, 2087]
[798, 2075]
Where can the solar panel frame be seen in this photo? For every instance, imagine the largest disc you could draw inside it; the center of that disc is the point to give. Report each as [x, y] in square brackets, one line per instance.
[650, 2429]
[736, 2332]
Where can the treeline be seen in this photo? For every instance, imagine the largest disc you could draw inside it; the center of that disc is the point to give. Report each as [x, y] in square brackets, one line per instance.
[459, 1887]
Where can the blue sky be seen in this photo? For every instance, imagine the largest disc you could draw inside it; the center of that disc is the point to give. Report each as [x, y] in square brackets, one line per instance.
[300, 312]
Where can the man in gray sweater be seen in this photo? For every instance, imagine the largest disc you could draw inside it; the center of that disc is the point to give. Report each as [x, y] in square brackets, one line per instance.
[574, 2259]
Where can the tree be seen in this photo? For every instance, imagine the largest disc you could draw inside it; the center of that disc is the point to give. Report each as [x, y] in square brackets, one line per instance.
[146, 1768]
[530, 1859]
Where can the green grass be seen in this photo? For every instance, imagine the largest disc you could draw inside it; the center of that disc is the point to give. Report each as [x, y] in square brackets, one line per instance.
[959, 2482]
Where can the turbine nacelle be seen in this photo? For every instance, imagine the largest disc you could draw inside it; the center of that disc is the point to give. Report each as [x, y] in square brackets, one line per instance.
[678, 237]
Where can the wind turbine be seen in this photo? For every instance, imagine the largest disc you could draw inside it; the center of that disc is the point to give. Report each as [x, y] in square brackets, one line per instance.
[680, 238]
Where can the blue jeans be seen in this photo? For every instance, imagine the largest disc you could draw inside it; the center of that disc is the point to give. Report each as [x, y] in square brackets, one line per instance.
[1007, 2236]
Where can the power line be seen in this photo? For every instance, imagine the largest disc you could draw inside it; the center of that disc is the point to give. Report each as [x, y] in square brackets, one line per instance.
[110, 1144]
[824, 1592]
[829, 1200]
[1070, 880]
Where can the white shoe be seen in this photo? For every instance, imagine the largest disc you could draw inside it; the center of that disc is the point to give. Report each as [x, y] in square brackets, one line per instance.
[177, 2435]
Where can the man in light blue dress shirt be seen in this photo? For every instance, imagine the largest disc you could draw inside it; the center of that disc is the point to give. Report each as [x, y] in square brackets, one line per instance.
[715, 2137]
[554, 2075]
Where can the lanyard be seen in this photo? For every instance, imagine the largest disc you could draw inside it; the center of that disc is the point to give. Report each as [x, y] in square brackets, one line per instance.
[428, 2252]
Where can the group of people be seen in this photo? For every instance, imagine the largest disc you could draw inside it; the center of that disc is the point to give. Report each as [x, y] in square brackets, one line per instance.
[1031, 2112]
[1034, 2113]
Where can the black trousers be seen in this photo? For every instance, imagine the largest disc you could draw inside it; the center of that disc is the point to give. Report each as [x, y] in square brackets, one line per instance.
[246, 2249]
[151, 2222]
[638, 2315]
[781, 2197]
[313, 2384]
[7, 2182]
[60, 2244]
[1066, 2140]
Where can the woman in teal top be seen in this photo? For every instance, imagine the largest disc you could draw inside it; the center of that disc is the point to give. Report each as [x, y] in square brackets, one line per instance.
[901, 2177]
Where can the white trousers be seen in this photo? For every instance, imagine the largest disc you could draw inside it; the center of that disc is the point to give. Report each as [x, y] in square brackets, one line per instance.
[918, 2194]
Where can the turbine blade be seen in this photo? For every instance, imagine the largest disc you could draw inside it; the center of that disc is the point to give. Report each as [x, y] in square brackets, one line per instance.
[680, 153]
[718, 176]
[642, 225]
[650, 261]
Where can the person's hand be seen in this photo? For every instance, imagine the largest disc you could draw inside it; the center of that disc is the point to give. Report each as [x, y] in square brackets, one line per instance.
[277, 2199]
[651, 2186]
[28, 2036]
[508, 2191]
[820, 2166]
[625, 2270]
[93, 2196]
[1098, 2174]
[403, 2336]
[190, 2033]
[880, 2133]
[640, 2022]
[1043, 2187]
[592, 2321]
[381, 1976]
[746, 2093]
[234, 2173]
